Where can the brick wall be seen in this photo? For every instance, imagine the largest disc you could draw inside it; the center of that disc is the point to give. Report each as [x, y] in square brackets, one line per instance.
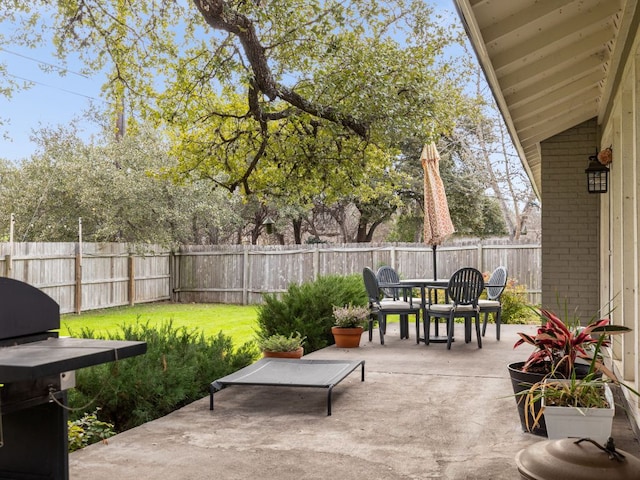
[570, 223]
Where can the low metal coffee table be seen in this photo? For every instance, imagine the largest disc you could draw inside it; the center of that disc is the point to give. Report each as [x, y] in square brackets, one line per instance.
[284, 372]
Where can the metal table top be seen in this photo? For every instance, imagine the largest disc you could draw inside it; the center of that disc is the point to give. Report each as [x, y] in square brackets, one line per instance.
[33, 360]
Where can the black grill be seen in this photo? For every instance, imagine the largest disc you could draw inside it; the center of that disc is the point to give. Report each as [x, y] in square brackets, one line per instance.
[36, 369]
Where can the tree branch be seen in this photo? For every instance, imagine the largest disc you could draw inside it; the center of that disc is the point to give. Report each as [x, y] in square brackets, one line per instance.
[221, 16]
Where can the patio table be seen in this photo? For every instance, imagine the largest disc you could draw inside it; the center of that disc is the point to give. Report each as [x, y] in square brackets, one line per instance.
[406, 296]
[430, 285]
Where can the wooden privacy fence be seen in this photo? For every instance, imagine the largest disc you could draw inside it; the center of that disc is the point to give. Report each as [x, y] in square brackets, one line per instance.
[97, 275]
[242, 274]
[90, 276]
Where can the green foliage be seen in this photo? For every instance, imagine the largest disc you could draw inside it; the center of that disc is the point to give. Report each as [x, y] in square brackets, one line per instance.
[472, 212]
[136, 202]
[467, 203]
[493, 224]
[406, 227]
[280, 343]
[176, 370]
[515, 306]
[87, 430]
[588, 392]
[308, 308]
[297, 96]
[282, 102]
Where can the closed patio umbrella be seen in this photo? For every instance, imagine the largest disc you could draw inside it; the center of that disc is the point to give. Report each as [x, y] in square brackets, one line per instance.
[437, 221]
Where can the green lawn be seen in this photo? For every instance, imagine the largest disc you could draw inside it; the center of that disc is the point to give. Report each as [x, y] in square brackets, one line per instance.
[237, 322]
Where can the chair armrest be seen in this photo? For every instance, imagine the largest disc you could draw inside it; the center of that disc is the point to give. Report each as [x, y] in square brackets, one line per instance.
[399, 286]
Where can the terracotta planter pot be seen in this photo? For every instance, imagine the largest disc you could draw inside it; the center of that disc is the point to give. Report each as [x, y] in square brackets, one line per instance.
[347, 337]
[294, 354]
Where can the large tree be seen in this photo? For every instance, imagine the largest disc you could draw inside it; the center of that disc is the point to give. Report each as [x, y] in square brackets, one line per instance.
[308, 97]
[116, 189]
[482, 142]
[473, 213]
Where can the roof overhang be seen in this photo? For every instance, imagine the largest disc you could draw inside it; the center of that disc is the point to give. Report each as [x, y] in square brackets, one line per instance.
[550, 64]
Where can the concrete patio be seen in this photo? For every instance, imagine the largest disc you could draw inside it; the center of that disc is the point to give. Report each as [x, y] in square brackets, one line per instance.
[422, 412]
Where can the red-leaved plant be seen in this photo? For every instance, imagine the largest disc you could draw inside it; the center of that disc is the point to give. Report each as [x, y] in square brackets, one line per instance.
[559, 345]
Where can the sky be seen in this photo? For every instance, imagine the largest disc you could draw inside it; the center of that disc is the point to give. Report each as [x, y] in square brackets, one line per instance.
[55, 100]
[52, 100]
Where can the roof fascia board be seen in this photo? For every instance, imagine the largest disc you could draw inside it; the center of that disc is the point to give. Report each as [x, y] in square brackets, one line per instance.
[465, 12]
[621, 51]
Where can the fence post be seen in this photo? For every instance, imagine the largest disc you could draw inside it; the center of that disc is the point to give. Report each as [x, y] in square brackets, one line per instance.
[316, 263]
[78, 279]
[393, 258]
[480, 258]
[245, 276]
[9, 258]
[132, 279]
[172, 276]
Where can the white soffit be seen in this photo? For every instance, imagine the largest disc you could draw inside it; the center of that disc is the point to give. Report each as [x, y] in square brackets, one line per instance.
[551, 64]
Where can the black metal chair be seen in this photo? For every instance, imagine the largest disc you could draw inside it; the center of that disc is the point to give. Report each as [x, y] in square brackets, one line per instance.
[381, 309]
[492, 304]
[388, 275]
[464, 289]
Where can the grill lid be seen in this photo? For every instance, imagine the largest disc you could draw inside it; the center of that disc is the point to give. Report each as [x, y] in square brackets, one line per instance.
[25, 310]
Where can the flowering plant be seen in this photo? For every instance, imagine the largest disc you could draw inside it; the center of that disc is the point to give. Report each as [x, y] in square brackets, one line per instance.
[350, 316]
[605, 156]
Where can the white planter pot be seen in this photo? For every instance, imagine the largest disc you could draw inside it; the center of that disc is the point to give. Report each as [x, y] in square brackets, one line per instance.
[594, 423]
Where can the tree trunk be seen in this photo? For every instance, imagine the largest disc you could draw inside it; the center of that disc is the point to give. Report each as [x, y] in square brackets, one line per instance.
[297, 231]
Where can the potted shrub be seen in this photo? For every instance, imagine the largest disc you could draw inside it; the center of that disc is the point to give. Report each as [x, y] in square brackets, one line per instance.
[563, 350]
[575, 407]
[348, 327]
[558, 347]
[281, 346]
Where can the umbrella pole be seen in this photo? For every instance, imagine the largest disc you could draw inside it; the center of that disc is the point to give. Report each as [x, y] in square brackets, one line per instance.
[435, 270]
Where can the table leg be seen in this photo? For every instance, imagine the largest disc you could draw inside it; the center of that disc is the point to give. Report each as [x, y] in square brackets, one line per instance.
[436, 338]
[436, 328]
[423, 312]
[404, 326]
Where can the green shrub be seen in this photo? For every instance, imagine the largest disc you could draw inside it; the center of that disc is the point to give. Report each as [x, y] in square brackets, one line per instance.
[176, 370]
[281, 343]
[308, 308]
[87, 430]
[515, 306]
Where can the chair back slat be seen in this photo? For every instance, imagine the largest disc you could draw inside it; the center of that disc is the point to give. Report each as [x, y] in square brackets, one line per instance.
[387, 274]
[465, 286]
[497, 283]
[371, 285]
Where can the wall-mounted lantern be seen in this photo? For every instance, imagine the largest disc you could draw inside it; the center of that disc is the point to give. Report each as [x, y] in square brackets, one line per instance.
[597, 175]
[268, 224]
